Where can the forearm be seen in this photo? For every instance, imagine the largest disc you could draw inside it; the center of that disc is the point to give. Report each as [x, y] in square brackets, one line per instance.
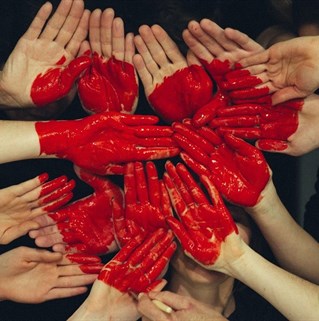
[295, 250]
[294, 297]
[18, 140]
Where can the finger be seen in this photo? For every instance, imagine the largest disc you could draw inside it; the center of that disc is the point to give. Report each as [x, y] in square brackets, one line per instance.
[118, 39]
[199, 50]
[49, 240]
[274, 146]
[106, 32]
[170, 48]
[75, 46]
[95, 31]
[29, 190]
[43, 256]
[286, 94]
[54, 25]
[38, 22]
[140, 183]
[243, 40]
[148, 309]
[155, 51]
[129, 48]
[145, 75]
[257, 59]
[130, 192]
[215, 38]
[71, 23]
[214, 48]
[153, 184]
[17, 231]
[44, 220]
[149, 62]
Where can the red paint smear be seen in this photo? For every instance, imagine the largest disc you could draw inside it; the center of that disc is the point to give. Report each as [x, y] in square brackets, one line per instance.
[180, 95]
[108, 86]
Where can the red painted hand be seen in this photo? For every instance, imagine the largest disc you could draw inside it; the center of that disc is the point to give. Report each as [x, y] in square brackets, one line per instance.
[42, 67]
[147, 204]
[238, 170]
[203, 224]
[271, 126]
[139, 264]
[102, 143]
[108, 85]
[111, 83]
[174, 88]
[85, 225]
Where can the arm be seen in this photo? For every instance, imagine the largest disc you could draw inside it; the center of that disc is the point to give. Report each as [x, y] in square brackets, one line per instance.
[295, 250]
[222, 249]
[101, 143]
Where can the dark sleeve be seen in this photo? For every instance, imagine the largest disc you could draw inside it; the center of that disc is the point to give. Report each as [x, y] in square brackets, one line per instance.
[311, 216]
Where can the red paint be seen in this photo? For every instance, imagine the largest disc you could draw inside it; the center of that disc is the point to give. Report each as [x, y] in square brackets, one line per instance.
[99, 141]
[237, 168]
[203, 224]
[139, 263]
[260, 122]
[180, 95]
[55, 193]
[108, 86]
[56, 82]
[86, 224]
[43, 177]
[88, 264]
[147, 203]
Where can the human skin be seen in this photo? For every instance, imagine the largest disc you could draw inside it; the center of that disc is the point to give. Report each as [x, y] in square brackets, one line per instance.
[175, 87]
[128, 138]
[33, 276]
[21, 204]
[85, 225]
[110, 83]
[44, 58]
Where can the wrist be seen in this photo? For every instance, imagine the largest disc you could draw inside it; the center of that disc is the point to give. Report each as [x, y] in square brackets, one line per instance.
[55, 136]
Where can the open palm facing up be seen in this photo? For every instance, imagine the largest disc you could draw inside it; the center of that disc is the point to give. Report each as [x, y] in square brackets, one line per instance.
[42, 67]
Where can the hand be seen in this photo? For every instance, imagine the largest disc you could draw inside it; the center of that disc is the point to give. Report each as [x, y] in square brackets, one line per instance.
[218, 53]
[174, 89]
[110, 83]
[183, 308]
[203, 225]
[33, 276]
[290, 128]
[146, 206]
[239, 170]
[42, 69]
[103, 143]
[135, 268]
[85, 226]
[21, 204]
[288, 69]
